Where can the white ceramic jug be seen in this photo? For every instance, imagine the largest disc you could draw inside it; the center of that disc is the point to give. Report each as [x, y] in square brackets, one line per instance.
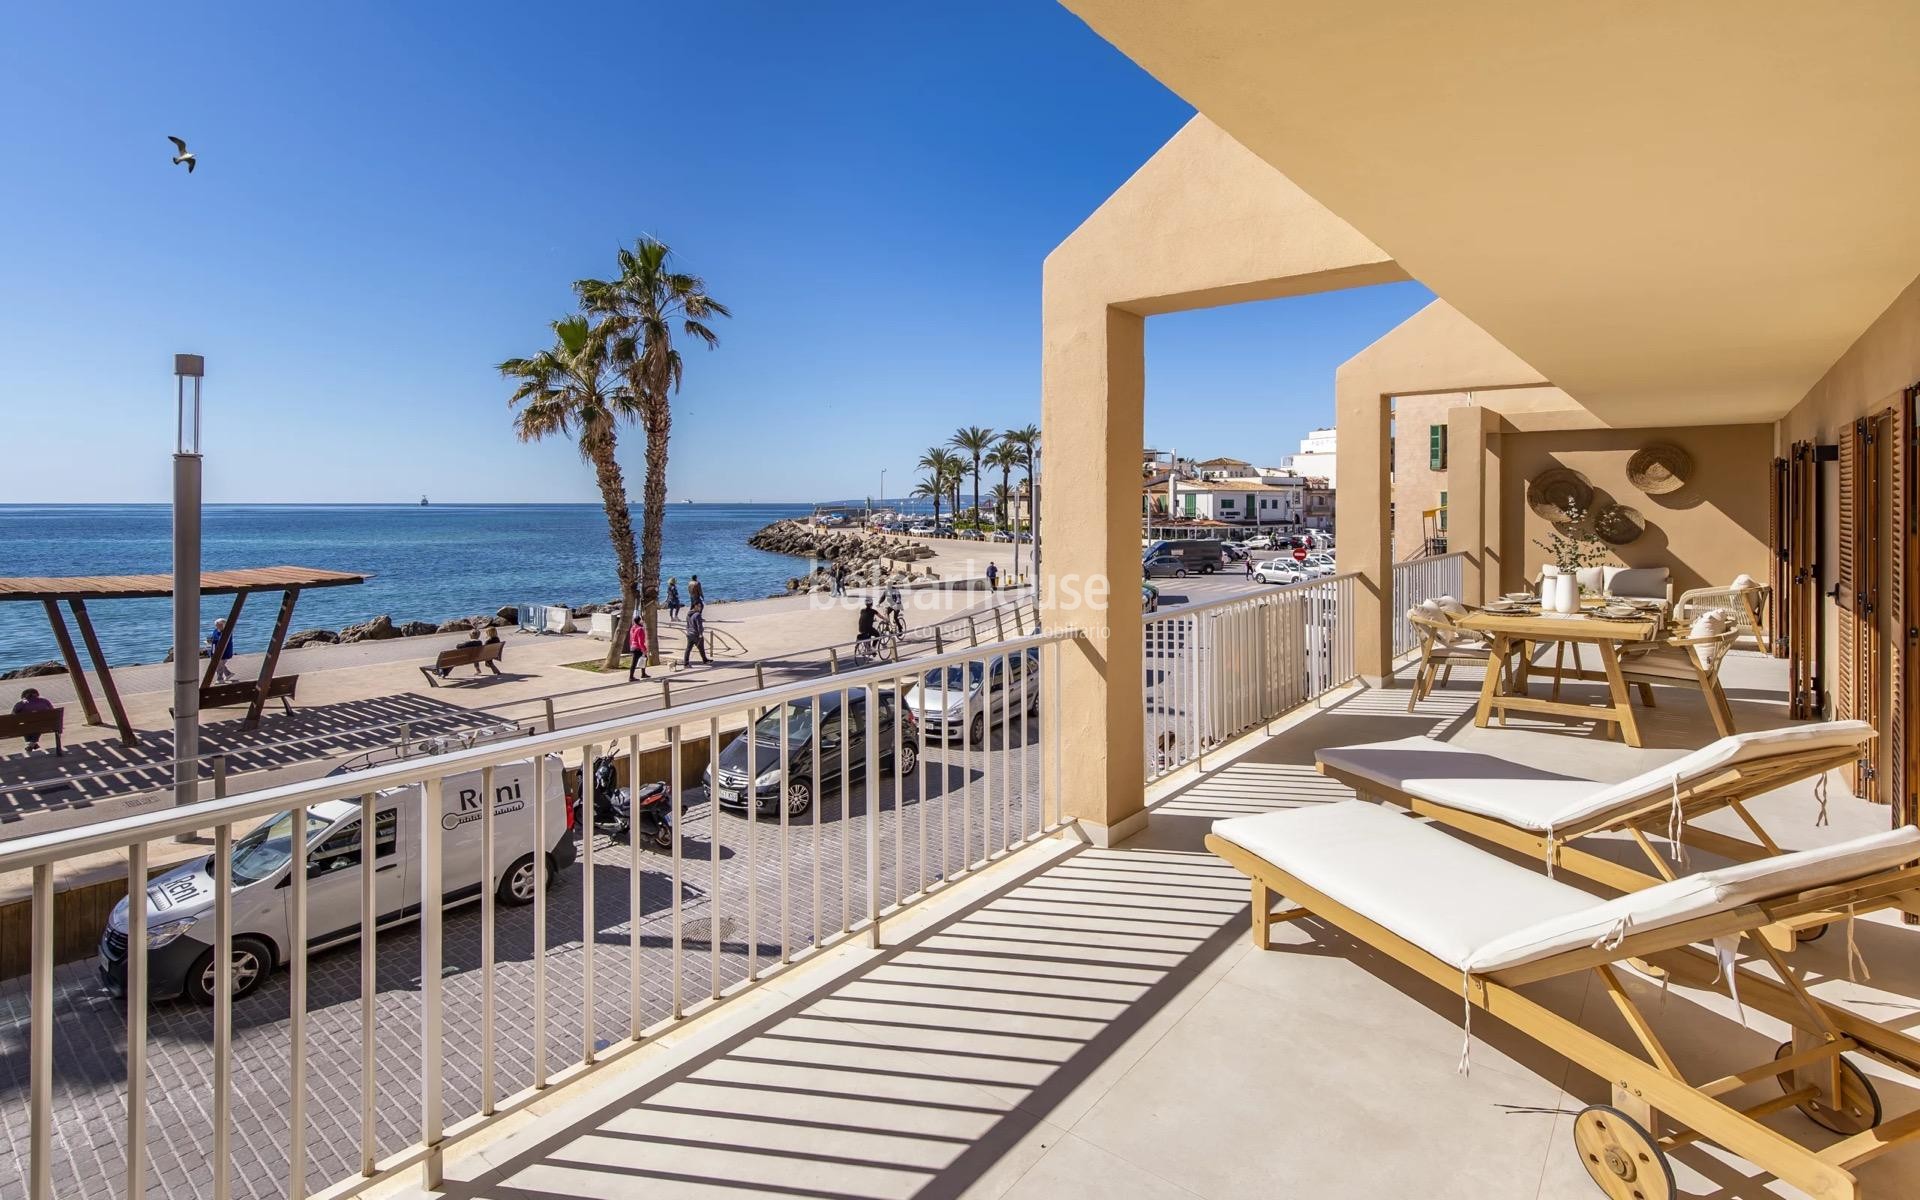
[1566, 593]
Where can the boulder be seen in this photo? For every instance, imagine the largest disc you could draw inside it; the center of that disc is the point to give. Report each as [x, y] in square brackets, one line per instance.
[508, 615]
[35, 671]
[312, 637]
[460, 624]
[418, 628]
[377, 630]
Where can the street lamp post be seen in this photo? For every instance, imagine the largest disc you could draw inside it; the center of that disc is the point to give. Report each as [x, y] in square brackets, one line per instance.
[883, 487]
[186, 578]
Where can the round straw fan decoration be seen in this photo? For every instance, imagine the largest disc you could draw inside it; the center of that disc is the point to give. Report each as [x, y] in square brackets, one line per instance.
[1660, 468]
[1616, 524]
[1558, 493]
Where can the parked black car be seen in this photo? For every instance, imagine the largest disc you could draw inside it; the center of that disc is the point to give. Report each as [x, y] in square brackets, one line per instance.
[842, 733]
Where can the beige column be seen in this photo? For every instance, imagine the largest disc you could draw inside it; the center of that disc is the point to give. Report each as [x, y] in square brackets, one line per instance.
[1093, 392]
[1467, 498]
[1363, 536]
[1492, 520]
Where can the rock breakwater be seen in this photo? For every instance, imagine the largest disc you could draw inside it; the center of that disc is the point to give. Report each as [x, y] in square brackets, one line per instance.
[869, 559]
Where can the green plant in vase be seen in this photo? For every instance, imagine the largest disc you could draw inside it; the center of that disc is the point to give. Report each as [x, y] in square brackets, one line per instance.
[1574, 544]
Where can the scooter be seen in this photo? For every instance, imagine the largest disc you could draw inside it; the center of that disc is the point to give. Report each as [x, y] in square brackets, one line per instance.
[617, 813]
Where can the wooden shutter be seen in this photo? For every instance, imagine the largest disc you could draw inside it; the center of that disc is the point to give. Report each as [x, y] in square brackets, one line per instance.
[1857, 590]
[1846, 699]
[1801, 600]
[1898, 788]
[1779, 576]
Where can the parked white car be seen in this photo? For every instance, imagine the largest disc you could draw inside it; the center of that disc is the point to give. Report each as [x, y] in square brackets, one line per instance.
[1319, 563]
[180, 903]
[1279, 570]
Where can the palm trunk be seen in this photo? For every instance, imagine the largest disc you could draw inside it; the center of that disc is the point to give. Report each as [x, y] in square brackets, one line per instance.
[613, 495]
[936, 511]
[976, 495]
[658, 423]
[1006, 494]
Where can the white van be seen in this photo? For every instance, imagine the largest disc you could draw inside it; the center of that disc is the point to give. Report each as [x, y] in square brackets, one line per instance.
[180, 902]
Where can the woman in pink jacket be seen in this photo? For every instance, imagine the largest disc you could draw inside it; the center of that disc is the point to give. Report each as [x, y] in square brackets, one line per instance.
[637, 646]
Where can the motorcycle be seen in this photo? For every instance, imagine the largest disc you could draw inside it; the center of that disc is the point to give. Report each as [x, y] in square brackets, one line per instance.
[617, 813]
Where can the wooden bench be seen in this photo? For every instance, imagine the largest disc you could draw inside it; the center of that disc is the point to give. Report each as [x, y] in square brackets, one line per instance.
[487, 655]
[232, 695]
[34, 724]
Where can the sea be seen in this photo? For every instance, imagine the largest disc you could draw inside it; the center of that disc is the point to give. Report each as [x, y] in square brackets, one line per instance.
[425, 563]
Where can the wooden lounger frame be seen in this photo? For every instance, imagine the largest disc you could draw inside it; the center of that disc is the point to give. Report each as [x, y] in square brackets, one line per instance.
[1728, 788]
[1649, 1088]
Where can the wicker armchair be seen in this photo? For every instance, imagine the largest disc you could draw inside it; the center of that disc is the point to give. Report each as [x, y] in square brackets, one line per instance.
[1746, 601]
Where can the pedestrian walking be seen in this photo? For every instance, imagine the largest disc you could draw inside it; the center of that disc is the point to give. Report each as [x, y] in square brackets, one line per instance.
[993, 576]
[696, 632]
[220, 650]
[839, 574]
[637, 647]
[673, 599]
[1249, 561]
[696, 595]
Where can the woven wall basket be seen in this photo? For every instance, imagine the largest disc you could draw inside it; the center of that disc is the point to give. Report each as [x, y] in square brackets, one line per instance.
[1616, 524]
[1660, 468]
[1557, 492]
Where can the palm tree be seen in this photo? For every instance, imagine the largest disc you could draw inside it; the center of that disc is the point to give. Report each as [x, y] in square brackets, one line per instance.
[574, 388]
[638, 312]
[1027, 438]
[930, 488]
[1005, 456]
[974, 440]
[942, 463]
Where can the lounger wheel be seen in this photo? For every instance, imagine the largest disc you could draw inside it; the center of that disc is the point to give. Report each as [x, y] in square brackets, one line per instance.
[1622, 1157]
[1811, 933]
[1859, 1108]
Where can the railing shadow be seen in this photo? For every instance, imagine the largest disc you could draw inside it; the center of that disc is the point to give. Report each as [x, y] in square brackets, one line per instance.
[97, 771]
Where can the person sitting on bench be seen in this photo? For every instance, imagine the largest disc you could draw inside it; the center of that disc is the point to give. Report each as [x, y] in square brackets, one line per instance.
[31, 701]
[477, 639]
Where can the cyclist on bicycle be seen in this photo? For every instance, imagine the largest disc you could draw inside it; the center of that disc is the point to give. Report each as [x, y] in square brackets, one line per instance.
[869, 629]
[894, 610]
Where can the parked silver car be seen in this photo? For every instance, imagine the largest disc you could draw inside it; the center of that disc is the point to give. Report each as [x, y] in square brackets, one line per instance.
[968, 696]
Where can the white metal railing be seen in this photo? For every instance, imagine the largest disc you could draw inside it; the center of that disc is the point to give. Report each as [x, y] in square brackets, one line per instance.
[1420, 579]
[1218, 669]
[881, 844]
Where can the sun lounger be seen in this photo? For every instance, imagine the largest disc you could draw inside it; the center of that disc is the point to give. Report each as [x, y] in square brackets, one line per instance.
[1541, 813]
[1483, 928]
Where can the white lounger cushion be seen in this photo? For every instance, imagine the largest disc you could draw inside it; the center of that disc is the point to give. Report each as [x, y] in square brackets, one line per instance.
[1483, 914]
[1542, 801]
[1693, 896]
[1438, 892]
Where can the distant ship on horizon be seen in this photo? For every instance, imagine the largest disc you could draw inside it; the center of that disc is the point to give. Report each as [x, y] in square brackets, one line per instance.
[423, 500]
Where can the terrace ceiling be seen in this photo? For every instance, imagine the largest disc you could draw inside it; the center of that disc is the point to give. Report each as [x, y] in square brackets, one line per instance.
[1672, 211]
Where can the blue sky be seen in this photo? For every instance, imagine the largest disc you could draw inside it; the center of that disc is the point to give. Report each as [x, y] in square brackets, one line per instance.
[393, 197]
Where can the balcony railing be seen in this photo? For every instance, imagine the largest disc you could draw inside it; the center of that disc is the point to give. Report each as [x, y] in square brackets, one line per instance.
[605, 956]
[1420, 579]
[1216, 670]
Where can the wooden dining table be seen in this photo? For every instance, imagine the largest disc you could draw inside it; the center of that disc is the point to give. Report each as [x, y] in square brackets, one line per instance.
[1505, 692]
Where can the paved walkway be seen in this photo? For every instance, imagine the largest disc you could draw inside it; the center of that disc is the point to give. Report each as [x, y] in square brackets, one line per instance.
[371, 697]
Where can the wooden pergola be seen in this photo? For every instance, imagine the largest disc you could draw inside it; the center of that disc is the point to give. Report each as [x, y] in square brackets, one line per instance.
[76, 590]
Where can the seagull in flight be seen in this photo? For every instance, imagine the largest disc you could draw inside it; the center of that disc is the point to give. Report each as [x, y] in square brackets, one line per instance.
[185, 155]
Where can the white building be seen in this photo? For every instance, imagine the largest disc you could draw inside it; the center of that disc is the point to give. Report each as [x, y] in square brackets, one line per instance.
[1315, 459]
